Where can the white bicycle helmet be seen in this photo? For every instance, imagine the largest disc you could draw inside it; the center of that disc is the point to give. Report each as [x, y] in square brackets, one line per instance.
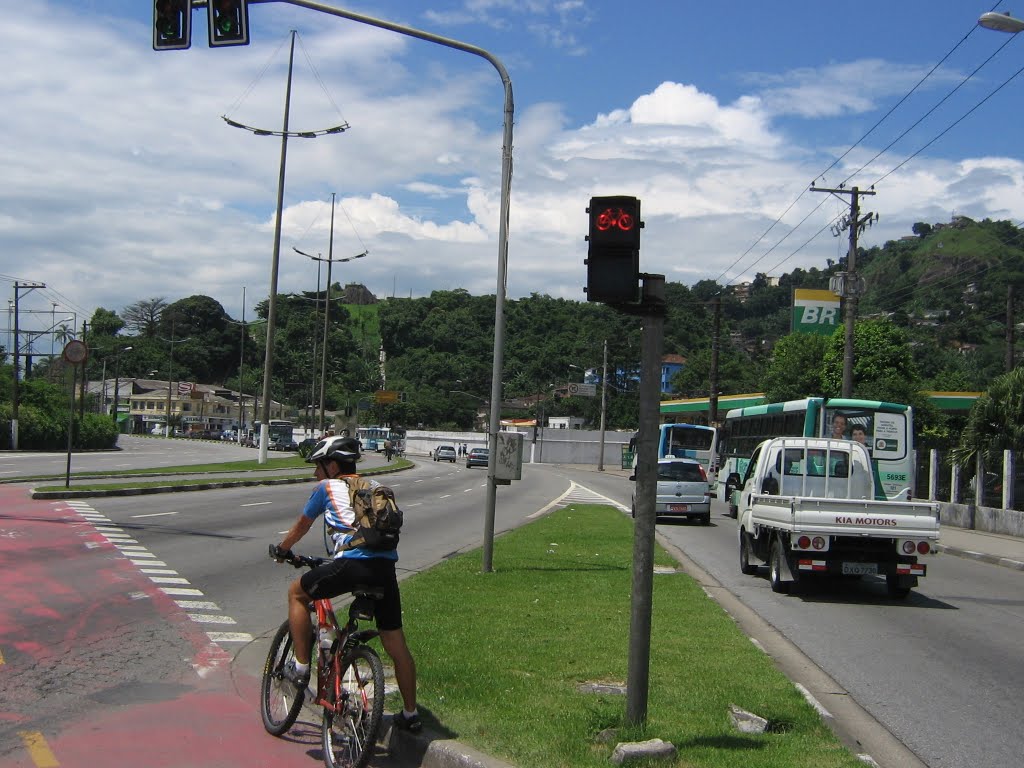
[345, 449]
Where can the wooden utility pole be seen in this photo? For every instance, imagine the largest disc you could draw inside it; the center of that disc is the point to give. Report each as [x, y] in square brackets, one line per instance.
[849, 285]
[1009, 329]
[715, 345]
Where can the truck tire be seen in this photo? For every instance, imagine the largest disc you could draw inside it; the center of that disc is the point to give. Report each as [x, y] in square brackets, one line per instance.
[775, 566]
[746, 566]
[895, 587]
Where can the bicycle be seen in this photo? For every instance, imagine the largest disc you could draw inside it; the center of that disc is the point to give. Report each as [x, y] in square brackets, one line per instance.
[349, 678]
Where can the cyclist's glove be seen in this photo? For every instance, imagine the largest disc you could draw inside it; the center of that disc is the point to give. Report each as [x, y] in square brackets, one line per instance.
[279, 553]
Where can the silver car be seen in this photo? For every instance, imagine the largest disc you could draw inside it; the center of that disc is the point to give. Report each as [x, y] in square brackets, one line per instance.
[683, 490]
[445, 453]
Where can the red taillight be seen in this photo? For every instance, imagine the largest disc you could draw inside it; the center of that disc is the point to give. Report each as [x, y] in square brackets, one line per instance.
[703, 474]
[803, 542]
[923, 548]
[818, 543]
[909, 547]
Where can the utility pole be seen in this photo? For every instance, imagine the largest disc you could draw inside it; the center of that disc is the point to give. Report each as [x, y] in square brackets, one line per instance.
[15, 394]
[847, 284]
[713, 394]
[1009, 329]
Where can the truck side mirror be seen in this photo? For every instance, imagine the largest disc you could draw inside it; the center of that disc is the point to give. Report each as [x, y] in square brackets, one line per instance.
[732, 482]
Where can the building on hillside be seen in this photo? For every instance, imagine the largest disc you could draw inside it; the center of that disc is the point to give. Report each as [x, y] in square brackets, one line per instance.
[357, 293]
[670, 366]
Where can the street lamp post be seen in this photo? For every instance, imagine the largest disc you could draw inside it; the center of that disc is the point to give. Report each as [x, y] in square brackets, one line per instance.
[170, 374]
[117, 379]
[327, 304]
[284, 133]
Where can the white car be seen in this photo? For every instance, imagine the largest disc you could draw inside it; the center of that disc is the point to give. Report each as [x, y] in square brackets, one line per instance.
[683, 490]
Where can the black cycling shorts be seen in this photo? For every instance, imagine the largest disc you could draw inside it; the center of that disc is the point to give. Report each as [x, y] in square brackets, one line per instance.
[341, 575]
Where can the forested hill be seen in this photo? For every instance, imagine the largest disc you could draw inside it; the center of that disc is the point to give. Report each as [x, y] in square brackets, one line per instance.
[946, 287]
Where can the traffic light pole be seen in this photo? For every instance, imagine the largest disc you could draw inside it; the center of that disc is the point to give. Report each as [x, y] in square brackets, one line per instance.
[652, 309]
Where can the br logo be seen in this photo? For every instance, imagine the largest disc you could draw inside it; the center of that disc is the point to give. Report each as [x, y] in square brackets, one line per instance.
[820, 315]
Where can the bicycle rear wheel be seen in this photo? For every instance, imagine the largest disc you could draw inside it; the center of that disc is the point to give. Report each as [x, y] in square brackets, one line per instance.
[350, 735]
[280, 702]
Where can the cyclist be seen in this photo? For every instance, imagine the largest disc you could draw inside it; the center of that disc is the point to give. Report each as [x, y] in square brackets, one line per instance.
[335, 458]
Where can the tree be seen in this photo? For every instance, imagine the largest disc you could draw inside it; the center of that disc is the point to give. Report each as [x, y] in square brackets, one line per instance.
[796, 366]
[995, 423]
[921, 229]
[143, 317]
[104, 322]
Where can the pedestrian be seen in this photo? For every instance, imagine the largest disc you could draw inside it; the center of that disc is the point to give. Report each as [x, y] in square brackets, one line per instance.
[335, 460]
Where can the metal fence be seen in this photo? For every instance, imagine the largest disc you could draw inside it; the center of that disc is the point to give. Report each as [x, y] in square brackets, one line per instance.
[938, 479]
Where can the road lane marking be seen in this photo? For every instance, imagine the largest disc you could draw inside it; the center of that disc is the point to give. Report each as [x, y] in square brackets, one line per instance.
[464, 490]
[255, 503]
[181, 592]
[445, 496]
[159, 571]
[230, 637]
[156, 514]
[210, 618]
[38, 749]
[198, 605]
[168, 580]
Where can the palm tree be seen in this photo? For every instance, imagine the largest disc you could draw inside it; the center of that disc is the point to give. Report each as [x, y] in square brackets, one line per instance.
[995, 423]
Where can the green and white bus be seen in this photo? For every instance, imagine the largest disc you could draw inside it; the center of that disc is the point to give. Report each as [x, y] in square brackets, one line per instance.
[886, 428]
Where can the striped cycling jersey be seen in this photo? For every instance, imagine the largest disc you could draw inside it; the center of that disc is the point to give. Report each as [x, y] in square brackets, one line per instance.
[331, 498]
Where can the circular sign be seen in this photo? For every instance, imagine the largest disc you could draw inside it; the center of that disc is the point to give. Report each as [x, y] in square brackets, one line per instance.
[574, 388]
[75, 352]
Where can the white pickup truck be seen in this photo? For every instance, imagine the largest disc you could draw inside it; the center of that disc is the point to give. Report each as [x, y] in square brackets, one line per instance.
[806, 505]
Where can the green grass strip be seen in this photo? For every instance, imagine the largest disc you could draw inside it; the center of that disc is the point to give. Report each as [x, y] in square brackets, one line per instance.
[501, 655]
[217, 476]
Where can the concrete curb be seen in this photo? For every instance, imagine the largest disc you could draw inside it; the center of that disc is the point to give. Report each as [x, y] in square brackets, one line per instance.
[968, 554]
[431, 750]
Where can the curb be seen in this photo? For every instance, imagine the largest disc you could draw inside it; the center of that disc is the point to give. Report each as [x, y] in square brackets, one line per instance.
[969, 554]
[432, 750]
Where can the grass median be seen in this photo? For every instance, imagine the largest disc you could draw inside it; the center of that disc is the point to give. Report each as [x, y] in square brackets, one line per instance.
[502, 657]
[234, 472]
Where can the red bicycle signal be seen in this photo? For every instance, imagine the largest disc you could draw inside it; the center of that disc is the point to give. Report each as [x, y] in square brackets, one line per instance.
[614, 218]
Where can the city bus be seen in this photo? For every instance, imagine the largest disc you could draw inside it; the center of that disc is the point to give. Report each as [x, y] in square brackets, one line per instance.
[691, 441]
[278, 431]
[372, 438]
[886, 428]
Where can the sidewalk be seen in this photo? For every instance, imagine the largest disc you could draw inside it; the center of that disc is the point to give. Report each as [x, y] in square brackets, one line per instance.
[1007, 551]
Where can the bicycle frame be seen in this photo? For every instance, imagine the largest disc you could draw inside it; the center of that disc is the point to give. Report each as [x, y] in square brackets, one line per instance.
[329, 672]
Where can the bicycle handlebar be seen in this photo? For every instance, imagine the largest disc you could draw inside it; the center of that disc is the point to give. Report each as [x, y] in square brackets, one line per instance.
[298, 561]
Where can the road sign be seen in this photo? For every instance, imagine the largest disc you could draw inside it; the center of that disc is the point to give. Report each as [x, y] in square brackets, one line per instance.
[583, 390]
[75, 352]
[386, 396]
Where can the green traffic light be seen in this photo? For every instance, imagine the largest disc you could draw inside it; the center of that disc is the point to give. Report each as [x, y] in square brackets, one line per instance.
[226, 25]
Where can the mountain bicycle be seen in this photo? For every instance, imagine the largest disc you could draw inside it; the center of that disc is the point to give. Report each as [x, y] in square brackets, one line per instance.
[349, 678]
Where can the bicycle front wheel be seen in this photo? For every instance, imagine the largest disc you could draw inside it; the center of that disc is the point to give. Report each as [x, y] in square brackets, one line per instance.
[350, 734]
[280, 702]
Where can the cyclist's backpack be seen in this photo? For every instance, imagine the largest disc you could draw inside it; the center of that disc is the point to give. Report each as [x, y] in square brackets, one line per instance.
[378, 520]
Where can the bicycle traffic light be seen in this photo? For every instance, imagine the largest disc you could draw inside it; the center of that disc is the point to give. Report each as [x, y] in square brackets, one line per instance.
[613, 258]
[172, 24]
[228, 22]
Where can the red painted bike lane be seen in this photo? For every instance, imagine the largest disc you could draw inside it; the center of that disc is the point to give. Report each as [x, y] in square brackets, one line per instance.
[98, 665]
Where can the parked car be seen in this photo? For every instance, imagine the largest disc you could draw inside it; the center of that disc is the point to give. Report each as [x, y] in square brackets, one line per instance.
[282, 444]
[477, 457]
[683, 490]
[445, 453]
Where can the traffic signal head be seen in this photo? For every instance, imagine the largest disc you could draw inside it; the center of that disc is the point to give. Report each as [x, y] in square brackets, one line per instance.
[228, 22]
[172, 24]
[613, 258]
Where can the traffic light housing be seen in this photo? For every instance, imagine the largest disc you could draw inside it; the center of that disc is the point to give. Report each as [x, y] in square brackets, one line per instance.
[228, 22]
[172, 24]
[613, 257]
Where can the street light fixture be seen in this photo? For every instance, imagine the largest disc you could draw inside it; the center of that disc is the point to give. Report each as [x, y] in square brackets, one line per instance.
[1001, 22]
[268, 364]
[117, 379]
[327, 302]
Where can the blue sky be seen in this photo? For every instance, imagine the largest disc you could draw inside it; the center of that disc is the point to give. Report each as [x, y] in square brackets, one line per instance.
[121, 181]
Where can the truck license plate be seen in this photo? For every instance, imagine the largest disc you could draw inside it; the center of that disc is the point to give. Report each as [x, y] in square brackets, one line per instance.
[860, 569]
[678, 507]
